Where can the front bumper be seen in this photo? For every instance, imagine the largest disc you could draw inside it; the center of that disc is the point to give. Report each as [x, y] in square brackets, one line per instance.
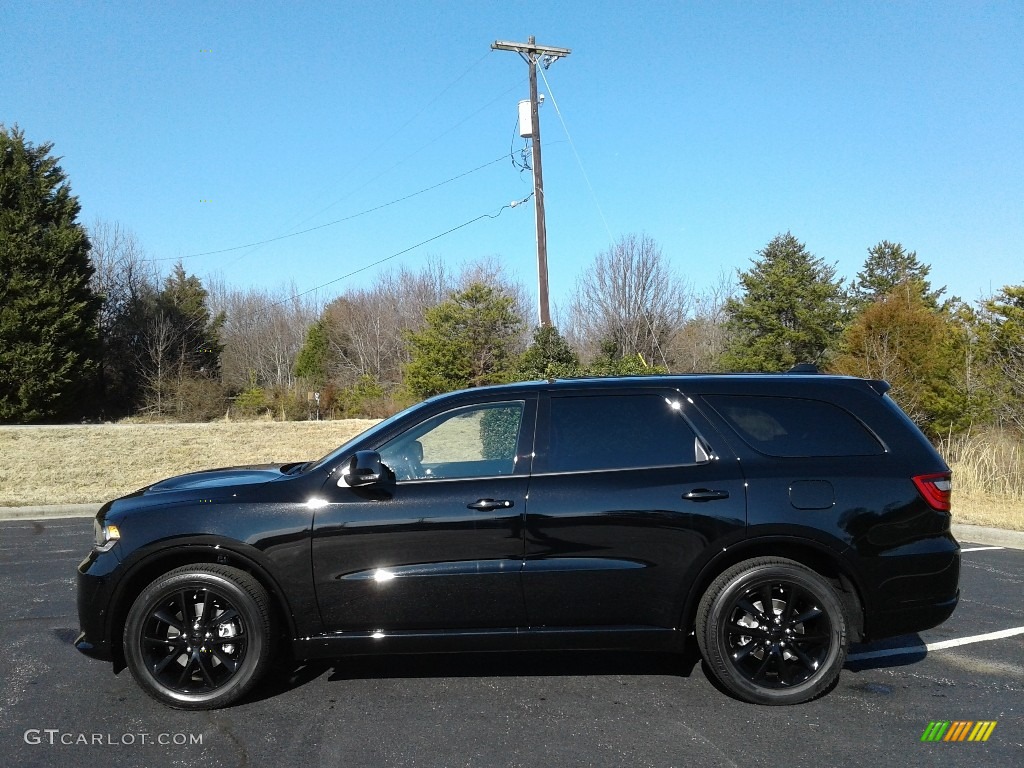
[94, 606]
[99, 649]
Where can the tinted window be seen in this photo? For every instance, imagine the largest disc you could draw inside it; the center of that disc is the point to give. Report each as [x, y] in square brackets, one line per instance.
[789, 426]
[479, 441]
[617, 432]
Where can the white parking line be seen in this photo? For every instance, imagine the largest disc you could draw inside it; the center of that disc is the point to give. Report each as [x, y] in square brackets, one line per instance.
[1001, 634]
[979, 549]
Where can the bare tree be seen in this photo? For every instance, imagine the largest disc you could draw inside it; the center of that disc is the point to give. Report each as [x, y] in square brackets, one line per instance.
[1002, 323]
[631, 297]
[699, 344]
[155, 361]
[416, 291]
[364, 335]
[128, 282]
[1012, 366]
[367, 326]
[490, 271]
[262, 333]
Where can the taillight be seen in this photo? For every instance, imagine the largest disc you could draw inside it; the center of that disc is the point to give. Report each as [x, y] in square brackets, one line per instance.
[936, 489]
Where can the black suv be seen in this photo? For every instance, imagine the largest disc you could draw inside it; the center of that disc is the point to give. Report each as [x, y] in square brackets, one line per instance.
[775, 517]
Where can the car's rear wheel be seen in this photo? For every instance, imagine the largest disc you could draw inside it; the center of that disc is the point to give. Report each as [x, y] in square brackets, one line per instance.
[772, 631]
[200, 636]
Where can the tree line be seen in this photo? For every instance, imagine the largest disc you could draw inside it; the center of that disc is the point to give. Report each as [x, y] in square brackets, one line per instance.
[90, 329]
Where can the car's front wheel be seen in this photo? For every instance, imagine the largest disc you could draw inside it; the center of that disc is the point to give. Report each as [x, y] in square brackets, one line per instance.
[772, 631]
[200, 636]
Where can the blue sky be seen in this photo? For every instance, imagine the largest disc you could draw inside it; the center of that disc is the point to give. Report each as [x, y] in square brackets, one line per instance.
[711, 127]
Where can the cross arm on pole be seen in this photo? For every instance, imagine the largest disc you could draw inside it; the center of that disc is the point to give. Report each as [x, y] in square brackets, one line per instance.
[531, 49]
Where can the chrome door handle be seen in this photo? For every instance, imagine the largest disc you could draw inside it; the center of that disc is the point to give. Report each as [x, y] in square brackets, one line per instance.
[485, 505]
[703, 494]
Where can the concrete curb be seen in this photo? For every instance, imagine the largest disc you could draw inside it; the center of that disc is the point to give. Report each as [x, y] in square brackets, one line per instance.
[993, 537]
[49, 510]
[975, 534]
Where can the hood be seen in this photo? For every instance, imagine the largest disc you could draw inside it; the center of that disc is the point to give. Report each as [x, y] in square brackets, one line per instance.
[219, 478]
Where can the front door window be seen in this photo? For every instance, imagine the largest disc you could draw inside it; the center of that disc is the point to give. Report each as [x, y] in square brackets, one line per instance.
[476, 441]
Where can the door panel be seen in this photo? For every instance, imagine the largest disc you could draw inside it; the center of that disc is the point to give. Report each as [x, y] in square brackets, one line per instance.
[443, 549]
[613, 546]
[422, 559]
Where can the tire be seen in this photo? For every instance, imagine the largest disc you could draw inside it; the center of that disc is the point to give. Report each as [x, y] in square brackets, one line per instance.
[788, 653]
[183, 655]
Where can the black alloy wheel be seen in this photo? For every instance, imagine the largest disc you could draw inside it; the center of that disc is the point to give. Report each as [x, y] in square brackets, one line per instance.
[199, 637]
[772, 631]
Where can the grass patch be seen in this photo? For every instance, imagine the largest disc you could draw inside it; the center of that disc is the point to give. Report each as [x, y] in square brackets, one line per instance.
[988, 478]
[93, 463]
[993, 511]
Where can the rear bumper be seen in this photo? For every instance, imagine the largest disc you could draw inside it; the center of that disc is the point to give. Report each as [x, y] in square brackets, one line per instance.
[919, 589]
[911, 618]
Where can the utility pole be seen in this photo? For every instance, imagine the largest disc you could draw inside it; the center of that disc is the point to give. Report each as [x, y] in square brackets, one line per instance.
[531, 53]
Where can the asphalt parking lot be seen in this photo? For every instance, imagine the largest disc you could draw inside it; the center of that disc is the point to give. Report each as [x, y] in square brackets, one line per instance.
[596, 709]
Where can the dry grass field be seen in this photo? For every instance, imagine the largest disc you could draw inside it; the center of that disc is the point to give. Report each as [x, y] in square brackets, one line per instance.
[82, 464]
[988, 478]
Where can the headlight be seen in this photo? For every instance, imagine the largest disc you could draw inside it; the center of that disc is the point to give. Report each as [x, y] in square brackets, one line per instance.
[105, 536]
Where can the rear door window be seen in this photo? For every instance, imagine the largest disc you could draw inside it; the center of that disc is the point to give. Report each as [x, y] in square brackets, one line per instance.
[593, 432]
[792, 427]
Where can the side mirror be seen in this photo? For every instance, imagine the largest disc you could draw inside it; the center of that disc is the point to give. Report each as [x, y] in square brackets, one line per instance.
[366, 469]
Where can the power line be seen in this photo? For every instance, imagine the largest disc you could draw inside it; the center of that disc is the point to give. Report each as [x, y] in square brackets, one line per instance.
[387, 139]
[433, 101]
[412, 154]
[579, 162]
[260, 244]
[523, 164]
[638, 309]
[513, 204]
[337, 221]
[353, 190]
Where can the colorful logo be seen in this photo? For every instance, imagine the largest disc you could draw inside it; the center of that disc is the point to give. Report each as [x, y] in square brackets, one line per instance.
[958, 730]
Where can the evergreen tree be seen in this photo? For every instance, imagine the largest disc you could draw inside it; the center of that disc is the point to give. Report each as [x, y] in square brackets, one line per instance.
[888, 265]
[183, 350]
[311, 363]
[48, 336]
[791, 310]
[468, 341]
[197, 345]
[549, 356]
[610, 362]
[904, 340]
